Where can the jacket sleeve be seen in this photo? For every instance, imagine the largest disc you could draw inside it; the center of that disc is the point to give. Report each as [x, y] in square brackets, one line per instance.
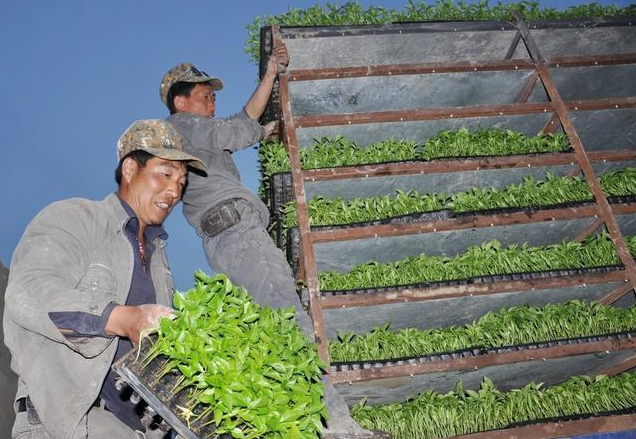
[75, 324]
[235, 132]
[51, 272]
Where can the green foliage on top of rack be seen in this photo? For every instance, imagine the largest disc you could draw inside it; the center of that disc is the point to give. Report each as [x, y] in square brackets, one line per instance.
[434, 415]
[554, 190]
[507, 327]
[353, 13]
[489, 258]
[250, 369]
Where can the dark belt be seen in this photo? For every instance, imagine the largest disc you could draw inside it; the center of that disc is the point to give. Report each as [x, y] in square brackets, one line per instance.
[23, 403]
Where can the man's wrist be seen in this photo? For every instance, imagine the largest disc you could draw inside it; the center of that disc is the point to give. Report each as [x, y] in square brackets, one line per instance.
[118, 322]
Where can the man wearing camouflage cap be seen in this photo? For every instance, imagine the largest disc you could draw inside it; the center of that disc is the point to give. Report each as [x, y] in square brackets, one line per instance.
[230, 219]
[86, 278]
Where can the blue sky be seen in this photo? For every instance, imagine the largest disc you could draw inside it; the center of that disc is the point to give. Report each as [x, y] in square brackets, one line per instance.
[77, 73]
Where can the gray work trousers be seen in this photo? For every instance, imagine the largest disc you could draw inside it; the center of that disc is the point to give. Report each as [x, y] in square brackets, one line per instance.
[97, 424]
[247, 255]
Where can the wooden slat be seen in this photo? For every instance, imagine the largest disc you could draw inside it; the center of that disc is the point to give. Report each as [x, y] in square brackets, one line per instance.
[406, 294]
[605, 424]
[309, 262]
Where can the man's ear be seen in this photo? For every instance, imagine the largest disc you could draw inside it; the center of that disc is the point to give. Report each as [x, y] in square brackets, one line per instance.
[179, 102]
[128, 169]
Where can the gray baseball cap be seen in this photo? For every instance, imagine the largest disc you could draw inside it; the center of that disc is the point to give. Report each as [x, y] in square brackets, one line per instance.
[159, 138]
[185, 72]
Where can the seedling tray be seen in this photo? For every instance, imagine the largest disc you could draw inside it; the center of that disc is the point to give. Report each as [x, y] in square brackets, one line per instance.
[157, 392]
[383, 384]
[477, 351]
[446, 214]
[480, 279]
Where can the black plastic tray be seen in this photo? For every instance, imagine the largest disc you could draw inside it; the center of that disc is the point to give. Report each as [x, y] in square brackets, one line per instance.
[156, 392]
[481, 279]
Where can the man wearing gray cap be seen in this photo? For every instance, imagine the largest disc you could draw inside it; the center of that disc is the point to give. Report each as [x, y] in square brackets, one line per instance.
[230, 219]
[86, 278]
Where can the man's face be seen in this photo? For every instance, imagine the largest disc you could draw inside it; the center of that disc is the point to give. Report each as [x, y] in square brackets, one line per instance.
[201, 101]
[152, 191]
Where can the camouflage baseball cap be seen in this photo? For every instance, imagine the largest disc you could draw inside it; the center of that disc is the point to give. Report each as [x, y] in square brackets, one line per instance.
[185, 72]
[158, 138]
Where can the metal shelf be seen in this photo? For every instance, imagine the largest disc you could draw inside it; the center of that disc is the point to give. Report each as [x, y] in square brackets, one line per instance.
[330, 91]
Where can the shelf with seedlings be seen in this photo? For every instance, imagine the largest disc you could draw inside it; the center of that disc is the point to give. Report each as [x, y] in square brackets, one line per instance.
[503, 413]
[553, 192]
[485, 78]
[462, 276]
[225, 365]
[506, 336]
[487, 262]
[431, 292]
[342, 152]
[409, 212]
[370, 203]
[512, 327]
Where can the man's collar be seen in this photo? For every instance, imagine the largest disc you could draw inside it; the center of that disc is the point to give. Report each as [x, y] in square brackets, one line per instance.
[151, 233]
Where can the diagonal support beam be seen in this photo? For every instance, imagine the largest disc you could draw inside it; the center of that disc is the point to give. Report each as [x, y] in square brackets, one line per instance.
[308, 255]
[560, 108]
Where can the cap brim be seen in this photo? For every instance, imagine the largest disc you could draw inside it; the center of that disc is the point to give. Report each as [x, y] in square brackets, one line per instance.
[216, 83]
[176, 154]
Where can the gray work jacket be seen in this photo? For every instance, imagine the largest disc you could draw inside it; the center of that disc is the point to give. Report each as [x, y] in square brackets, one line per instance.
[214, 140]
[74, 256]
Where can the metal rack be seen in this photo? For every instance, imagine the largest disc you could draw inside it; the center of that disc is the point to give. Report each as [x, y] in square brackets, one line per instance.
[411, 80]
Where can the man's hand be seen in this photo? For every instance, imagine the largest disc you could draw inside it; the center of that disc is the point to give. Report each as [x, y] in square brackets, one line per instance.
[278, 61]
[271, 131]
[129, 321]
[276, 64]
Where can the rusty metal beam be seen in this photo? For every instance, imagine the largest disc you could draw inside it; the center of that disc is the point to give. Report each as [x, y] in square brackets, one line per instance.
[458, 112]
[513, 46]
[596, 60]
[440, 165]
[616, 294]
[462, 223]
[527, 90]
[422, 114]
[410, 69]
[612, 156]
[552, 125]
[589, 230]
[595, 104]
[621, 367]
[480, 361]
[455, 67]
[550, 430]
[469, 222]
[481, 289]
[308, 255]
[562, 110]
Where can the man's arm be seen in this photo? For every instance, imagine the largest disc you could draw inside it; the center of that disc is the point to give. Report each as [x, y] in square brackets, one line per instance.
[129, 321]
[42, 290]
[277, 63]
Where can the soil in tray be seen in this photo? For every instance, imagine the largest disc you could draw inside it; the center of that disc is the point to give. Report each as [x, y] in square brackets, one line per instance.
[162, 388]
